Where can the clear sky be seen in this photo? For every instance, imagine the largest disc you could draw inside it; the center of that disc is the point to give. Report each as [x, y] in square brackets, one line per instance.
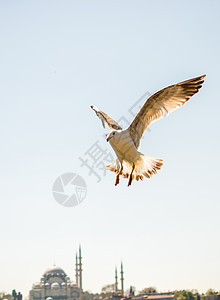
[56, 59]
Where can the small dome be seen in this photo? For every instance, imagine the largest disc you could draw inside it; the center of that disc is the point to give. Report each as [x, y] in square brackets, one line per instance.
[63, 283]
[73, 284]
[36, 285]
[55, 285]
[55, 270]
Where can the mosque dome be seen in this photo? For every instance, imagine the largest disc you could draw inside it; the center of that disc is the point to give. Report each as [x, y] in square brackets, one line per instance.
[55, 270]
[73, 284]
[36, 285]
[55, 285]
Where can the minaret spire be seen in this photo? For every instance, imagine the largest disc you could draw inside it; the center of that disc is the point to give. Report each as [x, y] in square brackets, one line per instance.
[122, 280]
[116, 279]
[80, 268]
[77, 271]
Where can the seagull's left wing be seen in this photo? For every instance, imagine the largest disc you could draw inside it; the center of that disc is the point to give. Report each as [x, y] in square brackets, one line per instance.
[105, 118]
[162, 103]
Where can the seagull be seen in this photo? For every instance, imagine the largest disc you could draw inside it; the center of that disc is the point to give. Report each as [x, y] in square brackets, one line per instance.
[131, 163]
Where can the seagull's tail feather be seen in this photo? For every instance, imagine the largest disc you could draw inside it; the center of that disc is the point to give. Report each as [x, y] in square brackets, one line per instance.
[114, 166]
[144, 166]
[147, 166]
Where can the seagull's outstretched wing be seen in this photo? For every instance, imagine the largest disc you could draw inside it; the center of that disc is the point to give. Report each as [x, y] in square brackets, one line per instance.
[161, 104]
[105, 118]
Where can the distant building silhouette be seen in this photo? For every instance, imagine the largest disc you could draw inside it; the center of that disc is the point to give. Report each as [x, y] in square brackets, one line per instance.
[56, 285]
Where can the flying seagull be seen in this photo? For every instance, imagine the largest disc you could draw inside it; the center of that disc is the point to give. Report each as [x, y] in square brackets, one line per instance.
[131, 163]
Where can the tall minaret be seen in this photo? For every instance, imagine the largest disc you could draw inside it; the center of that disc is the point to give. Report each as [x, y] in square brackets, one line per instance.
[116, 279]
[122, 280]
[80, 268]
[77, 271]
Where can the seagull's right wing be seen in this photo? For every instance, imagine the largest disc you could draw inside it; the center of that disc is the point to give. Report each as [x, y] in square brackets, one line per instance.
[105, 118]
[162, 103]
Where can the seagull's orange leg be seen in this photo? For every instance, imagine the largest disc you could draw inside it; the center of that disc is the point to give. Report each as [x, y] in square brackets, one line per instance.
[131, 175]
[118, 175]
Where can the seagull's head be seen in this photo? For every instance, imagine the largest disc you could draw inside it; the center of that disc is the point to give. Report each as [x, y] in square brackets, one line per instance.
[112, 134]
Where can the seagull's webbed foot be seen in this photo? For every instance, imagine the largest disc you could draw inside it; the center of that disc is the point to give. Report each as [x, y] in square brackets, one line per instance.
[118, 175]
[131, 176]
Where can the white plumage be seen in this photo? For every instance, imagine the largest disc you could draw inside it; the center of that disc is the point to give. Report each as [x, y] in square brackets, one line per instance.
[131, 163]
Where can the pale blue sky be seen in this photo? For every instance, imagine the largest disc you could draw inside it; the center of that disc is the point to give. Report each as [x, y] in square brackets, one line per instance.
[59, 57]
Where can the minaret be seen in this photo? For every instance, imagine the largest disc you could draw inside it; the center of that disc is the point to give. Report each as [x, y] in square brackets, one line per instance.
[80, 268]
[116, 279]
[77, 271]
[122, 280]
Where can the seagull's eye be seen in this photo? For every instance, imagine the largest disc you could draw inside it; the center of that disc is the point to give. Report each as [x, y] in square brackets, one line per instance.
[113, 133]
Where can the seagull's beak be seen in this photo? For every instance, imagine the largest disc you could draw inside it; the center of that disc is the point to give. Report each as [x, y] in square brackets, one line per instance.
[108, 138]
